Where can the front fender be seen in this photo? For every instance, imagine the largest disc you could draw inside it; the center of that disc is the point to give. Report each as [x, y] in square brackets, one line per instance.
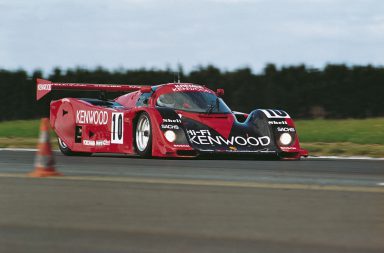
[163, 119]
[279, 122]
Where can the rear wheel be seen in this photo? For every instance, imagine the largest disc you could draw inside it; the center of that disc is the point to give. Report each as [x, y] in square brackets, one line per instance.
[143, 135]
[67, 151]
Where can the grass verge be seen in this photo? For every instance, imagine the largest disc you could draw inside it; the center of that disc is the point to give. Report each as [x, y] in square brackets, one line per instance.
[343, 149]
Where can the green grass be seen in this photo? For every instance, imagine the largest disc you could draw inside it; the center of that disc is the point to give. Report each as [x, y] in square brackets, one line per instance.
[20, 129]
[321, 137]
[359, 131]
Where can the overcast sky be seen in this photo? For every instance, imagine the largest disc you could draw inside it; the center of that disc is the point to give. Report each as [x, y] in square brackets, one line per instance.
[157, 33]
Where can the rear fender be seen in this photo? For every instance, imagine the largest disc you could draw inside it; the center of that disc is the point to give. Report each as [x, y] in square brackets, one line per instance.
[85, 127]
[62, 121]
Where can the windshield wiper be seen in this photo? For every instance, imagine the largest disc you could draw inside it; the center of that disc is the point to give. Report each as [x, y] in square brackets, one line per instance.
[212, 106]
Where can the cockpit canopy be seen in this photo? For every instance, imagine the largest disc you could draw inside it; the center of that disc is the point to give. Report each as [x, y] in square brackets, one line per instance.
[193, 101]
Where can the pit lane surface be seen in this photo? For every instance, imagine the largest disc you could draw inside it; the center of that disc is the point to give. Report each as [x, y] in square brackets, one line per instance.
[126, 204]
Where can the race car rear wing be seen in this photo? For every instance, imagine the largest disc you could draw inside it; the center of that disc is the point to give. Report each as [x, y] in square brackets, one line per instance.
[43, 87]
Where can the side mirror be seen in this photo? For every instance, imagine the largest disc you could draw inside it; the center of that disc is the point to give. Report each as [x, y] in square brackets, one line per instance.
[146, 89]
[220, 92]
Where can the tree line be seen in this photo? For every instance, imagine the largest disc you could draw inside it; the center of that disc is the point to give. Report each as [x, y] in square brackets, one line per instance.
[335, 91]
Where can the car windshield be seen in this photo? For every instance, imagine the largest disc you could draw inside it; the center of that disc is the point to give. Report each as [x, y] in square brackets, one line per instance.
[201, 102]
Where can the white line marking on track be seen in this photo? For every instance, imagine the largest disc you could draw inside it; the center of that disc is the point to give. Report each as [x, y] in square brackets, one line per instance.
[23, 149]
[346, 158]
[19, 149]
[380, 184]
[217, 183]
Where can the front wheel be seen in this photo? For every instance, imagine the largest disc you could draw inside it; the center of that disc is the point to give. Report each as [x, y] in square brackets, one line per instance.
[143, 135]
[67, 151]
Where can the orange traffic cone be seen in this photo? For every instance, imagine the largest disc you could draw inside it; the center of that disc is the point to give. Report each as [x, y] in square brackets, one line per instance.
[44, 162]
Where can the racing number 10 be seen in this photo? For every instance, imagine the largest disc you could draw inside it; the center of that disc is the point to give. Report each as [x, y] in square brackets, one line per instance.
[117, 128]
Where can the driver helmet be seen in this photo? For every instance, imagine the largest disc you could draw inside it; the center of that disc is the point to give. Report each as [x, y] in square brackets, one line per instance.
[166, 100]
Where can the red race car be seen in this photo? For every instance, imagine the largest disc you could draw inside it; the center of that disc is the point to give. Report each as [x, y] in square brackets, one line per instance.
[168, 120]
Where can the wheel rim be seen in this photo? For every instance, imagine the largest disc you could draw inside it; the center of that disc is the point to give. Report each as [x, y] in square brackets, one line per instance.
[62, 144]
[142, 133]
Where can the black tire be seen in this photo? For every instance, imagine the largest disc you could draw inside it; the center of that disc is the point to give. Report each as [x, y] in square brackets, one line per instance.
[147, 150]
[67, 151]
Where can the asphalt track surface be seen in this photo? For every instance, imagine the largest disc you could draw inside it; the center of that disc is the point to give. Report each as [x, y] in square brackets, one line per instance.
[127, 204]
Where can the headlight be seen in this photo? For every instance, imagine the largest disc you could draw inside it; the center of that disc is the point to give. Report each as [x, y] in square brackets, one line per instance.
[285, 138]
[170, 135]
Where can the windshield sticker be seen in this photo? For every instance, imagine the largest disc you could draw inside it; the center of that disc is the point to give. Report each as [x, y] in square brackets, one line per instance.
[189, 87]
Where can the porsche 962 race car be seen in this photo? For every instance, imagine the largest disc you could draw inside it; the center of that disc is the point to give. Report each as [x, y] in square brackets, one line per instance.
[167, 120]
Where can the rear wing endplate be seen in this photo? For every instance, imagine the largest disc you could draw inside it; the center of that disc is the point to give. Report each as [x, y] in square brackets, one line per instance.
[43, 87]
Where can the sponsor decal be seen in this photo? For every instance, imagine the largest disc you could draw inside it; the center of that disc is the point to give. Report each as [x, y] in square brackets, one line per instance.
[91, 117]
[189, 87]
[88, 143]
[167, 127]
[96, 143]
[275, 114]
[199, 132]
[204, 137]
[288, 148]
[172, 124]
[117, 128]
[103, 143]
[181, 146]
[250, 151]
[286, 129]
[171, 120]
[44, 86]
[273, 122]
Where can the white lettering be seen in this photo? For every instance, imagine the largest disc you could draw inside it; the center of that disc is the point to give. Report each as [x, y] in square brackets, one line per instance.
[192, 139]
[181, 146]
[204, 137]
[190, 87]
[91, 117]
[277, 122]
[254, 140]
[287, 148]
[212, 140]
[228, 142]
[171, 121]
[169, 126]
[103, 143]
[286, 129]
[243, 141]
[277, 114]
[237, 140]
[203, 140]
[268, 140]
[88, 143]
[44, 86]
